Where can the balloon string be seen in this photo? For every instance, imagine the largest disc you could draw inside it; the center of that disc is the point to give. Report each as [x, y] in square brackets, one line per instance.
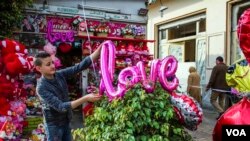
[224, 91]
[90, 49]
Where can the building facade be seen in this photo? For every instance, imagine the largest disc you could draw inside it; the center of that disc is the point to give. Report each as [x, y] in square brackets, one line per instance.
[196, 32]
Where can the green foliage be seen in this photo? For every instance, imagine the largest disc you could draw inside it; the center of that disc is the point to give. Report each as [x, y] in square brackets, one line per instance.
[138, 117]
[11, 15]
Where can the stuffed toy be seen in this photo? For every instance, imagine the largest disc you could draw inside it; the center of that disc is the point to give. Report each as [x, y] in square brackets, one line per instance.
[64, 47]
[5, 106]
[128, 62]
[122, 48]
[145, 48]
[7, 86]
[10, 46]
[1, 64]
[76, 20]
[82, 27]
[131, 48]
[30, 64]
[13, 58]
[138, 48]
[49, 48]
[16, 63]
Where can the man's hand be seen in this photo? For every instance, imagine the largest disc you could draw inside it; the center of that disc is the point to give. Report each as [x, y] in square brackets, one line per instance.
[92, 97]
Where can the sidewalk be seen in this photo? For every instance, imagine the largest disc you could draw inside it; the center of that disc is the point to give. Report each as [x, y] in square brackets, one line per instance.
[205, 129]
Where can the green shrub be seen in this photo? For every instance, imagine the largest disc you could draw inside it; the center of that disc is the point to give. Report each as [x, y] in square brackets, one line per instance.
[140, 116]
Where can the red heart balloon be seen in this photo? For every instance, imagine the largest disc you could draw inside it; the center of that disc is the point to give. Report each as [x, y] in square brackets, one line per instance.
[238, 114]
[65, 47]
[243, 31]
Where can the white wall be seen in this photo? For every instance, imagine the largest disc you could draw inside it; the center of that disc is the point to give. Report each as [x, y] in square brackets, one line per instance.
[215, 24]
[215, 13]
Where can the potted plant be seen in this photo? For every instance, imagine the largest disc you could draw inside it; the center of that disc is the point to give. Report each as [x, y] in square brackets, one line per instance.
[139, 116]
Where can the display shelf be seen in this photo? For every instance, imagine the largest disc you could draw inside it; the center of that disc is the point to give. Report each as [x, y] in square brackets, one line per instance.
[129, 55]
[116, 38]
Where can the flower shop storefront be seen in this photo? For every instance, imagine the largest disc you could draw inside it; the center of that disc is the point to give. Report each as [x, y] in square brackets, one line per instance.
[69, 40]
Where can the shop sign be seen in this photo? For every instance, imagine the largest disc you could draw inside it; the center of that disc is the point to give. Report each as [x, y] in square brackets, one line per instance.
[67, 10]
[118, 16]
[95, 13]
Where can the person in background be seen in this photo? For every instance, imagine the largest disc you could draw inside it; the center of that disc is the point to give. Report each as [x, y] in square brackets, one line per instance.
[193, 87]
[52, 90]
[218, 84]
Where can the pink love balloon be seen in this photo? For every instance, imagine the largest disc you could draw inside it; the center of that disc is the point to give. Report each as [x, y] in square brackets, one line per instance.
[167, 69]
[107, 70]
[149, 82]
[128, 77]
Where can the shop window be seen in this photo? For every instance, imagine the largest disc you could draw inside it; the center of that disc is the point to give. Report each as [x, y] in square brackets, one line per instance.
[202, 25]
[163, 34]
[181, 31]
[189, 51]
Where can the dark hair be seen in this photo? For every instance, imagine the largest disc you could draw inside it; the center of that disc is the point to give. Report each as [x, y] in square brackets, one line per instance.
[39, 56]
[219, 58]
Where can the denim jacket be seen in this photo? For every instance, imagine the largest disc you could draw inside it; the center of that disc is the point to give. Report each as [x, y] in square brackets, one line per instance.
[53, 94]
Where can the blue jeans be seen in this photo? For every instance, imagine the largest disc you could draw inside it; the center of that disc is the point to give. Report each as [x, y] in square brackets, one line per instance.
[58, 132]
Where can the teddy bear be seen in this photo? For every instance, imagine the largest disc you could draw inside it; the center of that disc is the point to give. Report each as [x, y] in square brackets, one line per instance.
[145, 50]
[14, 58]
[1, 64]
[49, 48]
[7, 86]
[5, 106]
[16, 63]
[121, 48]
[9, 46]
[131, 48]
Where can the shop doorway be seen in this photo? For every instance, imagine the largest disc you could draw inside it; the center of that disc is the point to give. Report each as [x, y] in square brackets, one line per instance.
[68, 59]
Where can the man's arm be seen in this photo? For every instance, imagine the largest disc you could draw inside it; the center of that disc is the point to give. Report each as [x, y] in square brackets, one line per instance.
[86, 98]
[84, 64]
[61, 106]
[212, 79]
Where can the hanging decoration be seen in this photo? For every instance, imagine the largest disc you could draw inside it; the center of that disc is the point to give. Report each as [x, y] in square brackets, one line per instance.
[129, 76]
